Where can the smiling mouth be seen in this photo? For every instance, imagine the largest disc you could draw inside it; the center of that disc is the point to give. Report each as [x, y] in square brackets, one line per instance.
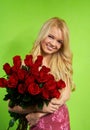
[50, 47]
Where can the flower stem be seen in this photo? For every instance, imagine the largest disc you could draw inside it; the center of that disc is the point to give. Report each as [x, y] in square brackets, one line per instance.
[22, 124]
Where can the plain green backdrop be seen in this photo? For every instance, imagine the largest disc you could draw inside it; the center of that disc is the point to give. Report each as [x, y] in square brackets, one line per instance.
[20, 21]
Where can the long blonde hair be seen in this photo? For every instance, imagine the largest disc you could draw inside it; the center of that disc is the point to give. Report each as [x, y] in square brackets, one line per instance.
[61, 62]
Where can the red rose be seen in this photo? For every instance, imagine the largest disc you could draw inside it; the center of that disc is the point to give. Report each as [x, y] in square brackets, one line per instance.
[43, 75]
[44, 69]
[7, 68]
[28, 60]
[34, 70]
[12, 81]
[38, 61]
[33, 89]
[14, 69]
[45, 93]
[29, 80]
[55, 94]
[21, 74]
[21, 88]
[3, 82]
[51, 77]
[17, 61]
[50, 85]
[61, 84]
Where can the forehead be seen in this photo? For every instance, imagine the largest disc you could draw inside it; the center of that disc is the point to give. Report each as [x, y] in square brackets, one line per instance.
[55, 31]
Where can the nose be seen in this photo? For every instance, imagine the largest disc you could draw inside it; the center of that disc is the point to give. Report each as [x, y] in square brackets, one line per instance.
[53, 42]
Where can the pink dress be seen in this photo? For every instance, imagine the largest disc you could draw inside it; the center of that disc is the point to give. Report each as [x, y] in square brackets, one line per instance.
[59, 120]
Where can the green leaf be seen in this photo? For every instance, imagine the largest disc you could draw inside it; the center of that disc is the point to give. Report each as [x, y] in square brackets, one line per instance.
[25, 68]
[11, 103]
[47, 102]
[14, 115]
[11, 123]
[10, 91]
[41, 85]
[40, 105]
[7, 96]
[26, 98]
[19, 97]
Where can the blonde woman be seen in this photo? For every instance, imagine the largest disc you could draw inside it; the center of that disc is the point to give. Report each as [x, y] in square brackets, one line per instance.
[53, 44]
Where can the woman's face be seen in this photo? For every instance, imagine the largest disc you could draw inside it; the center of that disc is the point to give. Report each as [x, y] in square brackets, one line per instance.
[53, 41]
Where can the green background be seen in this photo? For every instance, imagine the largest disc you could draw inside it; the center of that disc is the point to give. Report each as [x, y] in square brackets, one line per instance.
[20, 21]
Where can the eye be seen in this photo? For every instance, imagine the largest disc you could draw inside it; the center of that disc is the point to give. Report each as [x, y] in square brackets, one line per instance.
[51, 36]
[60, 41]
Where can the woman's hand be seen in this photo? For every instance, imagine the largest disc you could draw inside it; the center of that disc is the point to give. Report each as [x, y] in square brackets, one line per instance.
[33, 118]
[20, 110]
[53, 105]
[17, 109]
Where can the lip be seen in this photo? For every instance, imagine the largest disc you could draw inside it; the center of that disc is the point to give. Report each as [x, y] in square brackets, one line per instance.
[50, 47]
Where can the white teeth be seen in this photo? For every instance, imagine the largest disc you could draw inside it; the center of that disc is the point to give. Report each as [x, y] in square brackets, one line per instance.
[50, 47]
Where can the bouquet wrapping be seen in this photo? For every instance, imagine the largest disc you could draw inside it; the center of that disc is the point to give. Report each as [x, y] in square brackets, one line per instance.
[30, 84]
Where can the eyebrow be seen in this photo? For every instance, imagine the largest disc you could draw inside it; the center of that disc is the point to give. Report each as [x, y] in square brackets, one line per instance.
[51, 35]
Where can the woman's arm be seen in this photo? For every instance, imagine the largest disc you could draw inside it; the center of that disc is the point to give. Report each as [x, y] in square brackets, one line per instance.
[50, 108]
[65, 95]
[20, 110]
[53, 105]
[33, 118]
[34, 114]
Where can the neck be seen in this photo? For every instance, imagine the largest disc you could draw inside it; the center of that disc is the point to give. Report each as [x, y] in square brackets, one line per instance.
[46, 60]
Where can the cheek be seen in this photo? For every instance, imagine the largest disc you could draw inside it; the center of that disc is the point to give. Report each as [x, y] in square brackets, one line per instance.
[46, 40]
[59, 46]
[42, 44]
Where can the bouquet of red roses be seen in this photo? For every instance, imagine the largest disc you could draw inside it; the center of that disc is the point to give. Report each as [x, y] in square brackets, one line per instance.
[27, 85]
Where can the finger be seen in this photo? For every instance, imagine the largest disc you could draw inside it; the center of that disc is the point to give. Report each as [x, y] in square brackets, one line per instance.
[52, 110]
[32, 122]
[54, 106]
[55, 102]
[28, 117]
